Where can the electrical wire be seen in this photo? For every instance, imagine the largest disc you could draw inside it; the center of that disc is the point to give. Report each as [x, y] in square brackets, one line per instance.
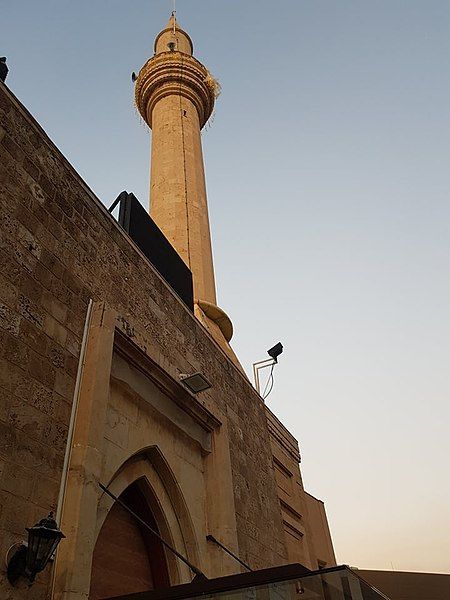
[269, 380]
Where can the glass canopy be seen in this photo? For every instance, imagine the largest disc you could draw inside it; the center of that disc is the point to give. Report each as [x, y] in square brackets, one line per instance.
[290, 582]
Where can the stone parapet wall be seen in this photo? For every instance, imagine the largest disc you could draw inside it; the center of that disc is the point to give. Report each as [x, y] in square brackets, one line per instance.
[283, 437]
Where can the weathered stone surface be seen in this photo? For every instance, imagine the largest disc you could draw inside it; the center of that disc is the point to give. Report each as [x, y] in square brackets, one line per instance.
[70, 248]
[59, 248]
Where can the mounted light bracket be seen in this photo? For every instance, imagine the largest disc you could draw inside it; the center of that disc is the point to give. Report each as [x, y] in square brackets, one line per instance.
[196, 382]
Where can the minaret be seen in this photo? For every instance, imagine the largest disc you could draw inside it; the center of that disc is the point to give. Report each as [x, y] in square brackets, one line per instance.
[175, 95]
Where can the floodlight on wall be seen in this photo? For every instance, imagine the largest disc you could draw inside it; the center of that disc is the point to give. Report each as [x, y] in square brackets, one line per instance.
[30, 558]
[274, 353]
[196, 382]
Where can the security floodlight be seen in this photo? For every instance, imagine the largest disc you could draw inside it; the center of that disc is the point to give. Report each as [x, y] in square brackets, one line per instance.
[275, 351]
[196, 382]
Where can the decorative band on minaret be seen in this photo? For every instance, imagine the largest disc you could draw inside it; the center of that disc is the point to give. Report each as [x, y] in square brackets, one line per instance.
[175, 95]
[179, 74]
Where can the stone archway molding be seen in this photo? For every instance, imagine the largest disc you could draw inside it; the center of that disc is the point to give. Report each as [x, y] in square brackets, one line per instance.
[151, 470]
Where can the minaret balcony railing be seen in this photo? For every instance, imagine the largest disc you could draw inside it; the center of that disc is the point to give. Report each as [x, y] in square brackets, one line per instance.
[175, 73]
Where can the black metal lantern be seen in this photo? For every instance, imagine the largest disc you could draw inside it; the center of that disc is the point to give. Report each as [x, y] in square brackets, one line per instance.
[31, 559]
[43, 540]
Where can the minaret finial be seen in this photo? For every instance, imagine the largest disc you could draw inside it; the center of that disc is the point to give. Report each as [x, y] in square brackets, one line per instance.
[174, 15]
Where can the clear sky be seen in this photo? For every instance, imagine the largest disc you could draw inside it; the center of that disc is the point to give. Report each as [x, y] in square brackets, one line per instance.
[328, 180]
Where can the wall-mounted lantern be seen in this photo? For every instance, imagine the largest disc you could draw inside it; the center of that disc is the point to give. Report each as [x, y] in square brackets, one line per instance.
[31, 558]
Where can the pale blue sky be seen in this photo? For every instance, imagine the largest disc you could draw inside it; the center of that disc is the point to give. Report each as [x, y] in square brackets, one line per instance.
[328, 179]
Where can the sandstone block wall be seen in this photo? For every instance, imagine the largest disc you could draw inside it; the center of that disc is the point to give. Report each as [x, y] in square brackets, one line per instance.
[307, 536]
[59, 247]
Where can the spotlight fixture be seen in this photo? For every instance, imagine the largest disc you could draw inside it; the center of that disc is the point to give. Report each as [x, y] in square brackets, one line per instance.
[275, 351]
[31, 558]
[196, 382]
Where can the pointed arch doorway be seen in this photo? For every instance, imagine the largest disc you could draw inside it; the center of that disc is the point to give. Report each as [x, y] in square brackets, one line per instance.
[127, 557]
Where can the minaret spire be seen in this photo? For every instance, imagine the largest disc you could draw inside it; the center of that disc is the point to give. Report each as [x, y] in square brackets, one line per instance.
[175, 95]
[174, 14]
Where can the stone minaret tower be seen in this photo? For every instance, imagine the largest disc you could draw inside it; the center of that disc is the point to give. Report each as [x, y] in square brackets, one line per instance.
[175, 95]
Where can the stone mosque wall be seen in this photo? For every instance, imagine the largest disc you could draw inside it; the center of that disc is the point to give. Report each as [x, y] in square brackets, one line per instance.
[210, 456]
[60, 247]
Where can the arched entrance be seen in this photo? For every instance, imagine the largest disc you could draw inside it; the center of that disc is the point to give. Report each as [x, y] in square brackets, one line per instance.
[127, 557]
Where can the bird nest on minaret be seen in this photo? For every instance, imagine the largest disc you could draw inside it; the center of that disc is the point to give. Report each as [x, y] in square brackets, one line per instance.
[175, 73]
[213, 85]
